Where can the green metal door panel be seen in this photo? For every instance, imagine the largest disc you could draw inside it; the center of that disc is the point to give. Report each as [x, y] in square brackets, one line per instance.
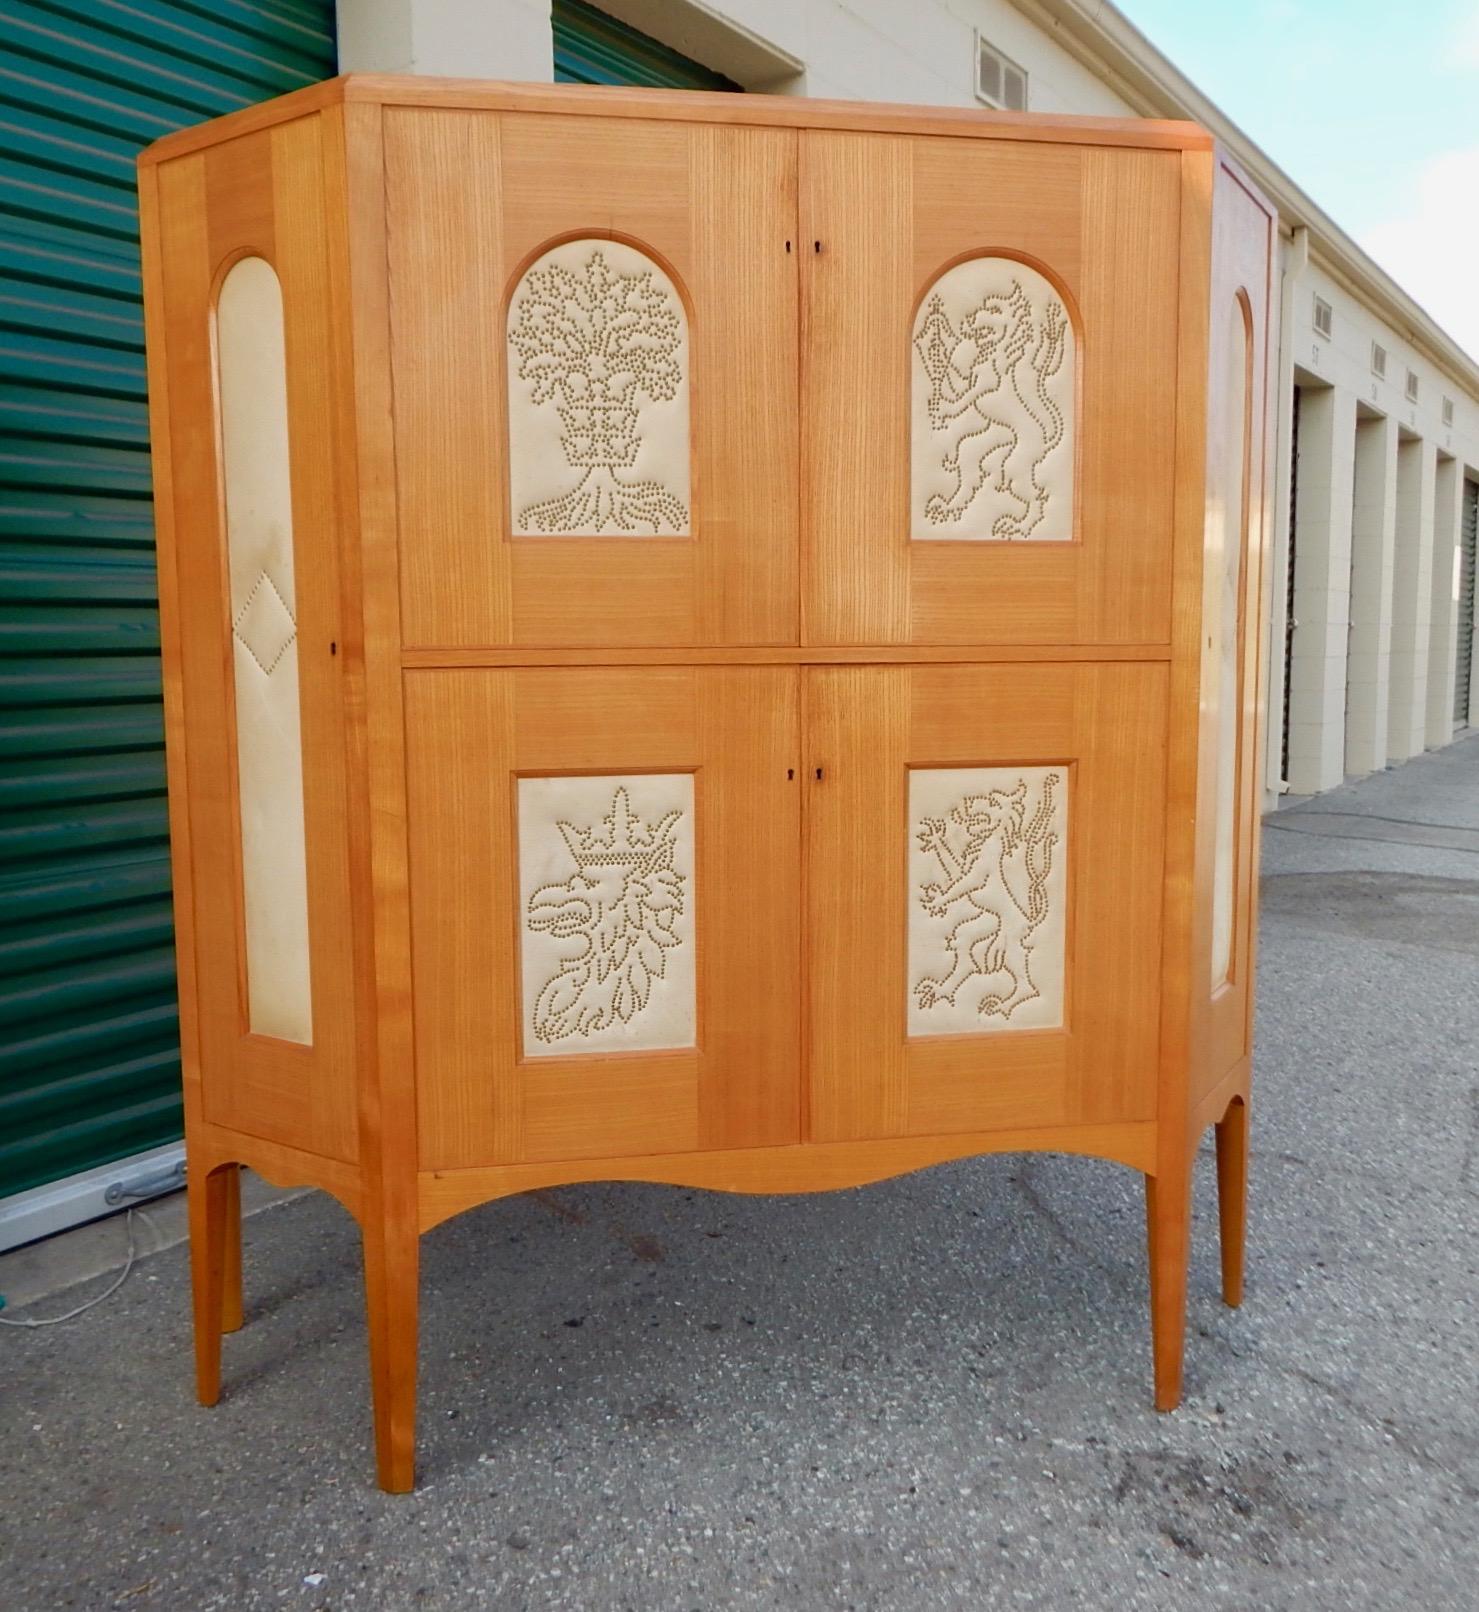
[89, 1053]
[592, 48]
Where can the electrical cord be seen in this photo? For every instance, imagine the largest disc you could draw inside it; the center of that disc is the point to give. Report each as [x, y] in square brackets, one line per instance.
[107, 1293]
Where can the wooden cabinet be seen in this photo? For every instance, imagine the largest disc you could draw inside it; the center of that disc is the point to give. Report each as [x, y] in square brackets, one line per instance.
[711, 640]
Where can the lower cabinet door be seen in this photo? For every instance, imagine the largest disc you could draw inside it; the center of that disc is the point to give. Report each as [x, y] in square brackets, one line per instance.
[605, 904]
[984, 886]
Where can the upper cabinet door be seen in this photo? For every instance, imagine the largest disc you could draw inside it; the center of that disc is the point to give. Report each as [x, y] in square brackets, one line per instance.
[593, 344]
[990, 368]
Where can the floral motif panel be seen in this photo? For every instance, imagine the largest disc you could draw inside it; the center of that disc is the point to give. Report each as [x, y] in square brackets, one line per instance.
[598, 370]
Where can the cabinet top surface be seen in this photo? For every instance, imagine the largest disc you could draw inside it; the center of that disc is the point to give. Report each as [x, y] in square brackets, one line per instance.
[695, 106]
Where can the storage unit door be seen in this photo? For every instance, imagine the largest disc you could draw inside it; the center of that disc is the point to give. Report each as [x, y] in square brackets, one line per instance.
[605, 911]
[984, 896]
[593, 328]
[89, 1044]
[990, 390]
[592, 48]
[1463, 693]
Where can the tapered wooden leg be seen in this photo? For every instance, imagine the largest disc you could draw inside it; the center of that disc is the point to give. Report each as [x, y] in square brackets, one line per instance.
[392, 1256]
[231, 1263]
[1232, 1195]
[1168, 1219]
[208, 1202]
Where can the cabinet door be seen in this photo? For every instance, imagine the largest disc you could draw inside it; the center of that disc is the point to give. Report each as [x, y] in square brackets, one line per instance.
[989, 390]
[605, 911]
[593, 345]
[983, 896]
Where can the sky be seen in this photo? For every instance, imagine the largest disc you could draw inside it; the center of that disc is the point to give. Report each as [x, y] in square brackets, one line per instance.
[1370, 106]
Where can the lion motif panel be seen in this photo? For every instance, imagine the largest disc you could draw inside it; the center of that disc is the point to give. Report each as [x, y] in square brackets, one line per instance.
[987, 899]
[598, 381]
[606, 873]
[992, 413]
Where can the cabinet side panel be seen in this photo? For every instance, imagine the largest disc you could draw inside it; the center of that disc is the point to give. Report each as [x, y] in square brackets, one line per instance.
[260, 199]
[1234, 539]
[171, 653]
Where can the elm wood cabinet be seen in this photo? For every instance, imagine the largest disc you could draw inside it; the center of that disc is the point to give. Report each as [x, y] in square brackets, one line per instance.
[707, 639]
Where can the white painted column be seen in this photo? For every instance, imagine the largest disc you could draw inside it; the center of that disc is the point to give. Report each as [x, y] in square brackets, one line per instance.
[1448, 490]
[511, 39]
[1412, 600]
[1373, 535]
[1322, 580]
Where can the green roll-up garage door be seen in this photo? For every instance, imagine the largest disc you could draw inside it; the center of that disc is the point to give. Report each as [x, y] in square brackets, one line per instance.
[89, 1059]
[1468, 549]
[592, 48]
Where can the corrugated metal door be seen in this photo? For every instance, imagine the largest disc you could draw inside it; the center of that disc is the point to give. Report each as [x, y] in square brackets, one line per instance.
[1289, 622]
[1468, 564]
[89, 1059]
[592, 48]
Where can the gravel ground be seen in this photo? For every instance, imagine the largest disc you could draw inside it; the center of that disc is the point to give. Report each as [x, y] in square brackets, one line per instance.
[925, 1394]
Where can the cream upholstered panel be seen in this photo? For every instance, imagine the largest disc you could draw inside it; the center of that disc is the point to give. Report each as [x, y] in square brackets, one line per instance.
[1226, 541]
[598, 396]
[606, 876]
[988, 902]
[253, 401]
[992, 415]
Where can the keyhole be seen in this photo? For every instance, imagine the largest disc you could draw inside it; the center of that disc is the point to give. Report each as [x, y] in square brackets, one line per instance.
[819, 775]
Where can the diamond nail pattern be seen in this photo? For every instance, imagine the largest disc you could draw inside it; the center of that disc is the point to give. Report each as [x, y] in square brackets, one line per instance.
[264, 625]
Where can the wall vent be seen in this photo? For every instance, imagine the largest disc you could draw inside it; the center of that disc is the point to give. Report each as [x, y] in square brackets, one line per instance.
[1378, 360]
[1324, 317]
[999, 81]
[1448, 411]
[1411, 387]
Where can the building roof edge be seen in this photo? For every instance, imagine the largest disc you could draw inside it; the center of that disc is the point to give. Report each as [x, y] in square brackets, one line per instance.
[1101, 37]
